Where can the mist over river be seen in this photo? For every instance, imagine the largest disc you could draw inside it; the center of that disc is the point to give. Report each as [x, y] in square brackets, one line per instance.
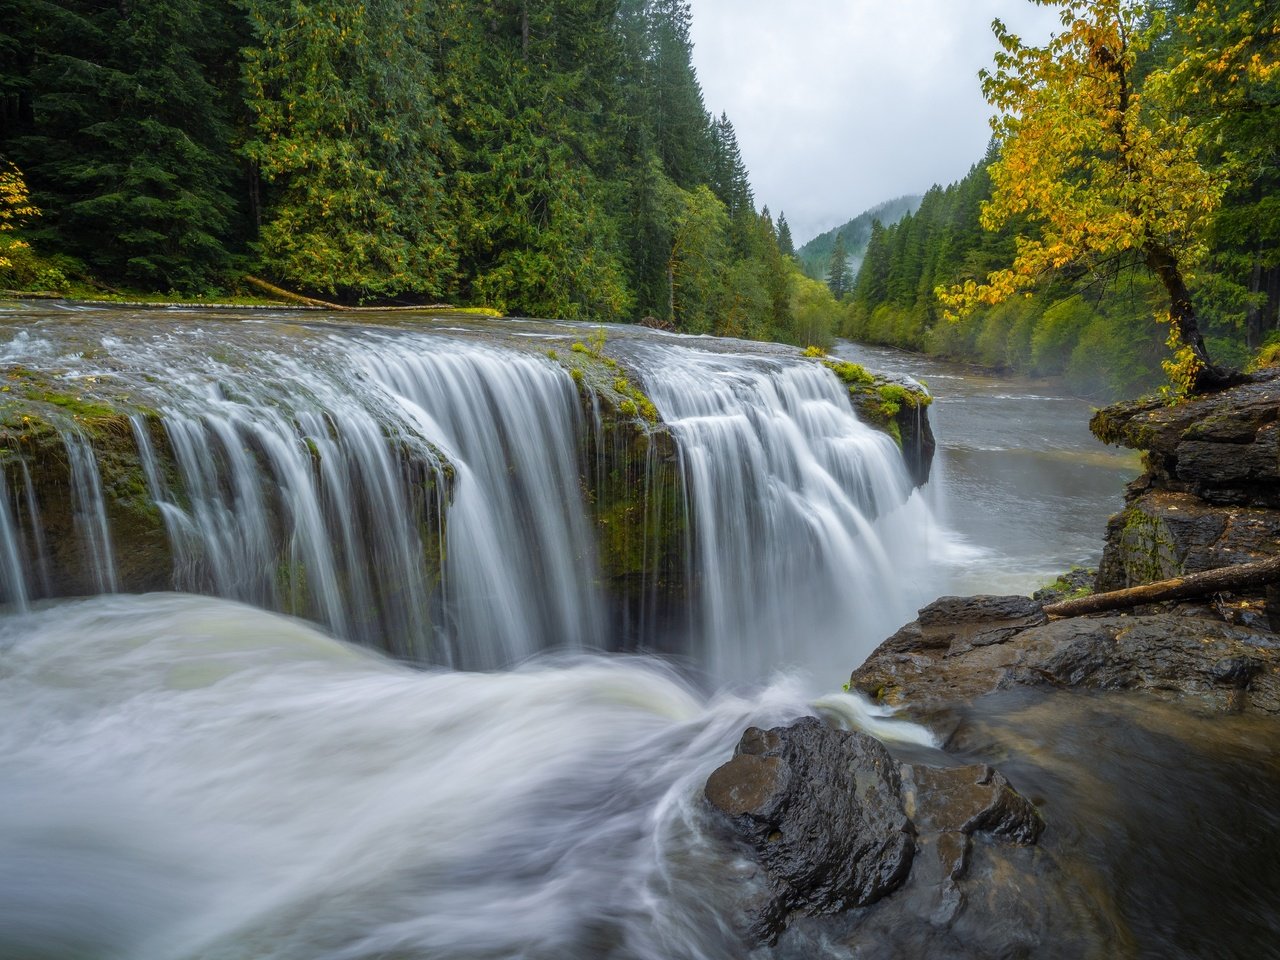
[1017, 475]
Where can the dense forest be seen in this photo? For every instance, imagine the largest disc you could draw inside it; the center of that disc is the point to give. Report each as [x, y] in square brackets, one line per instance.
[545, 159]
[1210, 86]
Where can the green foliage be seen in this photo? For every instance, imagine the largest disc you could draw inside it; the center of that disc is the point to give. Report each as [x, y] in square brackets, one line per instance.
[815, 256]
[550, 159]
[1093, 327]
[839, 276]
[347, 137]
[125, 136]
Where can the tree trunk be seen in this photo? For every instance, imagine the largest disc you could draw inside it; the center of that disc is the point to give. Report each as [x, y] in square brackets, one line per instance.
[1241, 577]
[1254, 318]
[1182, 314]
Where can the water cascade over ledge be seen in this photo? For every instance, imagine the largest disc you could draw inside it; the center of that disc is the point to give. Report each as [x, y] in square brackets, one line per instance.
[458, 494]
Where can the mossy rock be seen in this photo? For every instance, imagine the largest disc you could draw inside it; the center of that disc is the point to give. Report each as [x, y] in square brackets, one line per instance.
[894, 407]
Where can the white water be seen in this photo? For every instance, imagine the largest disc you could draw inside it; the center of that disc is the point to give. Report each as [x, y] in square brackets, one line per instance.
[306, 467]
[809, 540]
[301, 468]
[188, 777]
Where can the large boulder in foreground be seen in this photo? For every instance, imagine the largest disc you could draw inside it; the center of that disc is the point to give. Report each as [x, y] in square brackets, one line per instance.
[822, 810]
[834, 822]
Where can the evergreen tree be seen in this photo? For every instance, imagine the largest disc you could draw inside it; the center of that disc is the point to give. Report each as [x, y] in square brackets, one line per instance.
[785, 243]
[124, 139]
[681, 128]
[839, 277]
[348, 138]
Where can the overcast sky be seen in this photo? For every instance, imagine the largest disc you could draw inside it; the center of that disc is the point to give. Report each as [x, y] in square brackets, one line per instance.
[840, 104]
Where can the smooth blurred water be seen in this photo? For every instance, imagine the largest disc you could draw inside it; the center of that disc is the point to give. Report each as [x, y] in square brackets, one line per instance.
[1017, 477]
[189, 777]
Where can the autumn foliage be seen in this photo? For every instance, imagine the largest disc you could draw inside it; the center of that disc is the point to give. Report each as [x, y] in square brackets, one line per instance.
[1098, 157]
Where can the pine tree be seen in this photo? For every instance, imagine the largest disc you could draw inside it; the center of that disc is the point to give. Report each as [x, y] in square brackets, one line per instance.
[839, 276]
[348, 139]
[785, 243]
[681, 127]
[124, 139]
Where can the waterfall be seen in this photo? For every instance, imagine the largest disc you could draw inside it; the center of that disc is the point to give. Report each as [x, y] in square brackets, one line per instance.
[448, 496]
[806, 527]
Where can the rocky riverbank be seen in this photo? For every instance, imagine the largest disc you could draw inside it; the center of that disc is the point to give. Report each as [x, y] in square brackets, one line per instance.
[1092, 769]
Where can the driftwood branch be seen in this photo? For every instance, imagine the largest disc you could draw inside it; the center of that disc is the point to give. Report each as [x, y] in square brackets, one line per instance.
[284, 294]
[1240, 577]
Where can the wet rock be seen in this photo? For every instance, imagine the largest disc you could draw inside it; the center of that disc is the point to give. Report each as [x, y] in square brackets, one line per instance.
[1075, 582]
[965, 800]
[1223, 448]
[1186, 651]
[821, 810]
[871, 858]
[1162, 534]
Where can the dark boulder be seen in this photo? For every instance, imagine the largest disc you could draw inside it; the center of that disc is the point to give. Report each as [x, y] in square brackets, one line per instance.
[821, 809]
[837, 826]
[1189, 650]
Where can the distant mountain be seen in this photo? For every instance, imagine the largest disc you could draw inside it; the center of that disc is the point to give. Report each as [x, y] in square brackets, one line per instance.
[815, 256]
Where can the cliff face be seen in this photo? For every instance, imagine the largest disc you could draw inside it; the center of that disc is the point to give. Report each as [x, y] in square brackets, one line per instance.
[1210, 496]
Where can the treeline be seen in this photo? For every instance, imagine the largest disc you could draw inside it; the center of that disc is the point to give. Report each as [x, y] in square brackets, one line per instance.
[1095, 327]
[816, 256]
[544, 157]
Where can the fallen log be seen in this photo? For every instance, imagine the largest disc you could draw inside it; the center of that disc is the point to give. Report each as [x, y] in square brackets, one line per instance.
[1222, 579]
[284, 294]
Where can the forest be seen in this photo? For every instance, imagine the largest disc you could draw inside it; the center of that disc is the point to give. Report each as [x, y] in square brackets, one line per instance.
[557, 159]
[1202, 86]
[538, 158]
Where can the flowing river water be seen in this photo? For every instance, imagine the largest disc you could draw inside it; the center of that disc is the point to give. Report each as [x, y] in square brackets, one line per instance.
[196, 776]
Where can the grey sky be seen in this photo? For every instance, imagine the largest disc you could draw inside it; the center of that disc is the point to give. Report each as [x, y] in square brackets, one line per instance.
[840, 104]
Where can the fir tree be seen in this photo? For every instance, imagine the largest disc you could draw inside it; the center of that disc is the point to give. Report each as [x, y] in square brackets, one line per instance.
[785, 243]
[839, 276]
[348, 138]
[124, 139]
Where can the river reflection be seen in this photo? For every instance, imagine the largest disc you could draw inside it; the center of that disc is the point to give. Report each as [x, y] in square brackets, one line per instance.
[1017, 476]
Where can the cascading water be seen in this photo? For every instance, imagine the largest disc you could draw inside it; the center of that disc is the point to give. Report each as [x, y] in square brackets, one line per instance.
[188, 777]
[306, 470]
[423, 492]
[805, 520]
[194, 777]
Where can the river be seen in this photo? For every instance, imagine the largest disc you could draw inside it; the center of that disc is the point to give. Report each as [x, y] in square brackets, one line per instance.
[1018, 478]
[197, 777]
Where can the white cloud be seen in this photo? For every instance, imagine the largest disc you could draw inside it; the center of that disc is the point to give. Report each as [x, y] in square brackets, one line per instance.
[840, 104]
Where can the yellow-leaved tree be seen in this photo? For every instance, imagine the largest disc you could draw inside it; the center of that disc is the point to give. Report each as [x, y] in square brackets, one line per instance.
[1109, 174]
[15, 208]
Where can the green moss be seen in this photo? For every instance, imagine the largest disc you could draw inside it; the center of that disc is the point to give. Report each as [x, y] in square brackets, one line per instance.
[814, 350]
[1067, 587]
[1149, 552]
[77, 406]
[851, 374]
